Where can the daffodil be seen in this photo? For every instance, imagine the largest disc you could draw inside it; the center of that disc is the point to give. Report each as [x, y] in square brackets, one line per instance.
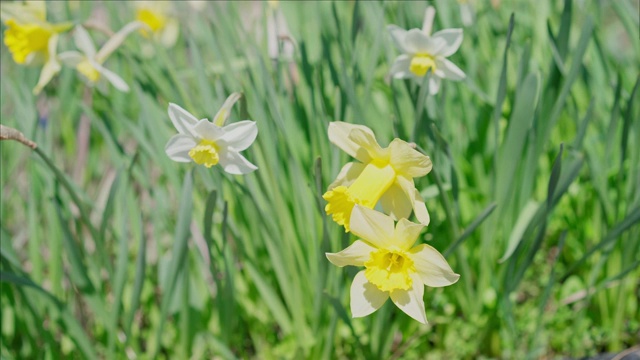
[89, 62]
[32, 40]
[393, 266]
[382, 175]
[161, 25]
[425, 54]
[210, 143]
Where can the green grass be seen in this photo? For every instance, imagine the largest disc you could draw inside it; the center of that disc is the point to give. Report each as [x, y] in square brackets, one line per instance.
[533, 195]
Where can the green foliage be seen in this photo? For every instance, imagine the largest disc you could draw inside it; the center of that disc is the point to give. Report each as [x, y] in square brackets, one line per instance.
[533, 196]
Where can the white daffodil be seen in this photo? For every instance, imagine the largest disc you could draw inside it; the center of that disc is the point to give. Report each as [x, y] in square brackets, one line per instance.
[393, 266]
[381, 175]
[425, 54]
[162, 26]
[32, 40]
[89, 62]
[209, 143]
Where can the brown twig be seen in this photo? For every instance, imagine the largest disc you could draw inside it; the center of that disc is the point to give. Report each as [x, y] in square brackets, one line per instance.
[8, 133]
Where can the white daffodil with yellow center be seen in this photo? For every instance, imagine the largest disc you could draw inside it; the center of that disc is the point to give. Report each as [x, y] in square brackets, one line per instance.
[89, 62]
[382, 176]
[161, 25]
[210, 143]
[393, 266]
[425, 54]
[32, 40]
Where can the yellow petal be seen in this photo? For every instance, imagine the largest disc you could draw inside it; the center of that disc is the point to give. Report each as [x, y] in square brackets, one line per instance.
[339, 135]
[348, 174]
[365, 297]
[372, 226]
[419, 208]
[407, 233]
[395, 203]
[411, 301]
[407, 161]
[432, 267]
[354, 255]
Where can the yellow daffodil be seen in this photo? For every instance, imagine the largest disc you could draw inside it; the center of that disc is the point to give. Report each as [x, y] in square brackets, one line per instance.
[161, 25]
[89, 62]
[425, 54]
[393, 266]
[210, 143]
[32, 40]
[383, 175]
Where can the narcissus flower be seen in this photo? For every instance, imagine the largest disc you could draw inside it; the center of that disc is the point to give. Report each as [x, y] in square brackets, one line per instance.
[161, 25]
[210, 143]
[393, 266]
[382, 175]
[425, 54]
[89, 62]
[32, 40]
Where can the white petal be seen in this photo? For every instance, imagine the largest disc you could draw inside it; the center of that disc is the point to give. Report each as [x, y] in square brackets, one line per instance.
[182, 120]
[83, 41]
[400, 67]
[235, 164]
[112, 77]
[427, 23]
[354, 255]
[395, 203]
[452, 39]
[50, 68]
[223, 114]
[240, 135]
[365, 297]
[205, 129]
[432, 267]
[178, 147]
[116, 40]
[71, 58]
[419, 208]
[434, 85]
[407, 233]
[411, 301]
[369, 147]
[397, 34]
[449, 69]
[418, 42]
[169, 34]
[348, 174]
[339, 135]
[372, 226]
[408, 161]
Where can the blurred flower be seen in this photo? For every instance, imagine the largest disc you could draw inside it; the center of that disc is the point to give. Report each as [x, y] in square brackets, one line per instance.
[32, 40]
[209, 143]
[425, 54]
[89, 62]
[384, 175]
[162, 27]
[393, 266]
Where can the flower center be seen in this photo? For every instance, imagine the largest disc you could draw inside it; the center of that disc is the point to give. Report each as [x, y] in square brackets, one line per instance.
[23, 40]
[152, 19]
[389, 270]
[370, 185]
[421, 63]
[89, 71]
[205, 153]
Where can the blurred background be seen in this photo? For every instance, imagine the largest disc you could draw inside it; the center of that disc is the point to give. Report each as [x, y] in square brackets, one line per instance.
[111, 250]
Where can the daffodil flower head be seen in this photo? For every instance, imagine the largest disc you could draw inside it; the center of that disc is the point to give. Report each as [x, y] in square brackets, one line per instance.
[89, 62]
[210, 143]
[161, 25]
[425, 54]
[393, 266]
[32, 40]
[382, 175]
